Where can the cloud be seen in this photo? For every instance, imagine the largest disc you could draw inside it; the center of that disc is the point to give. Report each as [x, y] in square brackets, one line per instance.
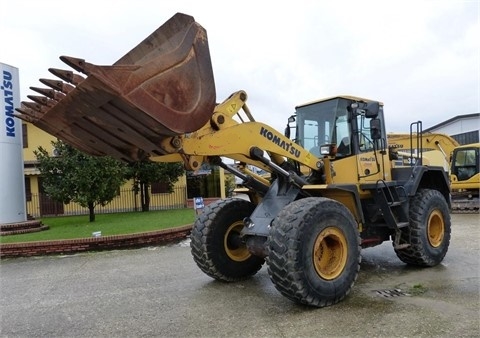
[421, 58]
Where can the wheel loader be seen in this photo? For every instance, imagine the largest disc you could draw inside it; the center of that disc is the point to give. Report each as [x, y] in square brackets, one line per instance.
[332, 189]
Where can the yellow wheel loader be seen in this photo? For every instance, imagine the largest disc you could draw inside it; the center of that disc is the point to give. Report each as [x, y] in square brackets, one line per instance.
[319, 208]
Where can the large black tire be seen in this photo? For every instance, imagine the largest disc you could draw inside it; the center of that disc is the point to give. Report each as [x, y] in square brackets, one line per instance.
[428, 236]
[215, 242]
[314, 251]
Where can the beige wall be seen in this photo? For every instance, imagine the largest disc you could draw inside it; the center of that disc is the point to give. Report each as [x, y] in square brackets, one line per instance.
[36, 138]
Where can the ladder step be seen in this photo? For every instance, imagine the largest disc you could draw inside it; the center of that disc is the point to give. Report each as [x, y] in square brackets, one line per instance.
[402, 224]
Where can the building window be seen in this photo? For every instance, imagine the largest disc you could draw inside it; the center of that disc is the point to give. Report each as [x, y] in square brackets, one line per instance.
[160, 188]
[467, 138]
[28, 189]
[24, 135]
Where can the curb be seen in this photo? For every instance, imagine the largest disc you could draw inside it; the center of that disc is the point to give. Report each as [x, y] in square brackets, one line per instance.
[71, 246]
[22, 227]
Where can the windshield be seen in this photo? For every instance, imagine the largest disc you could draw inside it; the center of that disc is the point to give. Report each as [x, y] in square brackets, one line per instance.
[465, 164]
[324, 122]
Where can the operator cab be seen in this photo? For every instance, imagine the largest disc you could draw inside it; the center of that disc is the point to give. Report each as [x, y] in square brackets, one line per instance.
[340, 127]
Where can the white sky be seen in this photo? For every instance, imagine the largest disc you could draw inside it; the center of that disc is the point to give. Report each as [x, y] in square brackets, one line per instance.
[421, 58]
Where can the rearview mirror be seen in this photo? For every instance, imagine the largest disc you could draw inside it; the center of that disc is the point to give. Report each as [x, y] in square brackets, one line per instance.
[287, 132]
[372, 109]
[375, 129]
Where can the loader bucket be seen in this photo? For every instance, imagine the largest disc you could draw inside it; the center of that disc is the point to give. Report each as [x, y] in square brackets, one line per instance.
[162, 88]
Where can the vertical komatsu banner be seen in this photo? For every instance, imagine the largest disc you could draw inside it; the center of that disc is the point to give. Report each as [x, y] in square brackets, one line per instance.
[12, 183]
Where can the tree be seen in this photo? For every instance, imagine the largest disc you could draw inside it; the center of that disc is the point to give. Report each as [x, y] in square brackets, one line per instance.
[230, 184]
[146, 172]
[72, 176]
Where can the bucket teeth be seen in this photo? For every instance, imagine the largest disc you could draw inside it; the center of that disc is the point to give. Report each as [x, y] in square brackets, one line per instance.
[67, 75]
[29, 112]
[24, 117]
[35, 107]
[44, 101]
[76, 63]
[58, 85]
[53, 94]
[163, 87]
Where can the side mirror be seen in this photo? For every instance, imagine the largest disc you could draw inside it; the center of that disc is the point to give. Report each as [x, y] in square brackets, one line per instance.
[375, 129]
[287, 129]
[372, 110]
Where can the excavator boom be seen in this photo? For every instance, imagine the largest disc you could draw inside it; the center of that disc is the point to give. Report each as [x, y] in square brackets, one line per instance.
[436, 147]
[460, 162]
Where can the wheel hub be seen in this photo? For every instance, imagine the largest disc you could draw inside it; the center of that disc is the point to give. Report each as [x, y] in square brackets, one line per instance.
[234, 247]
[435, 229]
[330, 253]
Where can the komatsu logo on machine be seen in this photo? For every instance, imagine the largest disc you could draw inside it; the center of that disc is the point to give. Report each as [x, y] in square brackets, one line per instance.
[7, 87]
[287, 146]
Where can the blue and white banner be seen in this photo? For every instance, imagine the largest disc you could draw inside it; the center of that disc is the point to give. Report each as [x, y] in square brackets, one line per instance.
[12, 184]
[11, 127]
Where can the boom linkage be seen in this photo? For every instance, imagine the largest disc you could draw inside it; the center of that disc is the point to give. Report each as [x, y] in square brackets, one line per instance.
[244, 141]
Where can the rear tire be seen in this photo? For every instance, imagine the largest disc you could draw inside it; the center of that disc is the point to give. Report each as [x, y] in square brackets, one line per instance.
[314, 251]
[428, 234]
[215, 241]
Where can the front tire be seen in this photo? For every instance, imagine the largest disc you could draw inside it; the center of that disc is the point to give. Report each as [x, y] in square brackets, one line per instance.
[428, 234]
[314, 251]
[215, 241]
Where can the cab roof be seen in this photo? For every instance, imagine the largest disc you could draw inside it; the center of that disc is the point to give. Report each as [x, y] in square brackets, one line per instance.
[348, 97]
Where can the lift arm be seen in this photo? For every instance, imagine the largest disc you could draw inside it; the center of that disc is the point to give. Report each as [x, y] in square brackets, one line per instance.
[223, 136]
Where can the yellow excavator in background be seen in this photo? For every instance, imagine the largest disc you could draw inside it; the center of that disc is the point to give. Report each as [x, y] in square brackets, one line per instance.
[461, 163]
[309, 220]
[465, 178]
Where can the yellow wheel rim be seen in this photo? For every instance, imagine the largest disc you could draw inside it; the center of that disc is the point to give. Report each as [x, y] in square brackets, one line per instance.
[330, 253]
[236, 252]
[435, 228]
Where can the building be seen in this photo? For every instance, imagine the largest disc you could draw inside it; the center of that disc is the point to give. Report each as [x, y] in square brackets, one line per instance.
[465, 129]
[39, 204]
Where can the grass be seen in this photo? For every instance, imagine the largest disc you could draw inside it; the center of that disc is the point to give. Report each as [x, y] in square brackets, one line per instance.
[418, 289]
[69, 227]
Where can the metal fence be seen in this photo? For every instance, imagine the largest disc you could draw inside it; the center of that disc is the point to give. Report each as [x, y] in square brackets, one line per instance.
[41, 205]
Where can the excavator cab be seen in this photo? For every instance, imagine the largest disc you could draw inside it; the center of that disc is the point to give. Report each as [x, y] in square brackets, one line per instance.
[465, 162]
[465, 178]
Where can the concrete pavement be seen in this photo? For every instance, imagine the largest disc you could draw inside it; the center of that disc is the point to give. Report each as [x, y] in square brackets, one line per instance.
[159, 292]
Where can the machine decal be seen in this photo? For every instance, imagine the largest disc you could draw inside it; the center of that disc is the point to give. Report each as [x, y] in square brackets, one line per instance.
[287, 146]
[9, 109]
